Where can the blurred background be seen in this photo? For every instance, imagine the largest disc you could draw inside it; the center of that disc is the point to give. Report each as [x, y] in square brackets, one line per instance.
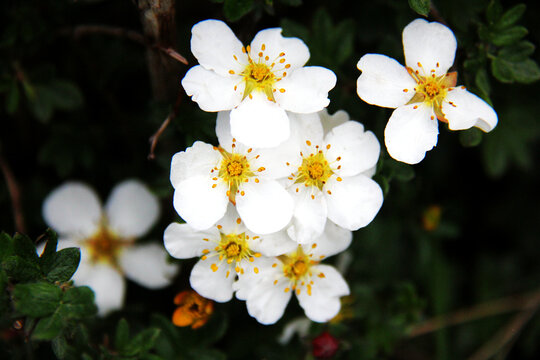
[84, 85]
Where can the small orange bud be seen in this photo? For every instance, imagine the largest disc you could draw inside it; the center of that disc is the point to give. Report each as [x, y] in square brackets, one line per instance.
[193, 310]
[431, 218]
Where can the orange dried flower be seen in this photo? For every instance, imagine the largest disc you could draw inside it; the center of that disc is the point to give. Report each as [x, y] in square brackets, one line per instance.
[431, 218]
[193, 310]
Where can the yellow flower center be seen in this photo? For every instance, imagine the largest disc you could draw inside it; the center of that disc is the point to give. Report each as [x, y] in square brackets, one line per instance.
[105, 246]
[259, 73]
[233, 170]
[297, 267]
[314, 171]
[432, 90]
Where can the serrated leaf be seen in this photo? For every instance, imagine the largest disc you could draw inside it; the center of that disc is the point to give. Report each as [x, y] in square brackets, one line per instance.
[37, 299]
[121, 338]
[21, 269]
[235, 9]
[420, 6]
[64, 95]
[64, 264]
[6, 246]
[509, 36]
[525, 72]
[511, 16]
[471, 137]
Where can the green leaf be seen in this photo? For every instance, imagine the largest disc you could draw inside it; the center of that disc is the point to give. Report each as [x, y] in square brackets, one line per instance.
[142, 342]
[25, 248]
[471, 137]
[509, 36]
[40, 103]
[516, 52]
[291, 2]
[4, 296]
[494, 11]
[294, 29]
[47, 256]
[511, 16]
[235, 9]
[21, 269]
[122, 335]
[48, 327]
[482, 83]
[12, 97]
[59, 346]
[64, 265]
[525, 72]
[6, 246]
[37, 299]
[64, 95]
[78, 302]
[420, 6]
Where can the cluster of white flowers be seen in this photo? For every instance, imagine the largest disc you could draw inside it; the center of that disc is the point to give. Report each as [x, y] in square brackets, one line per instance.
[285, 186]
[106, 238]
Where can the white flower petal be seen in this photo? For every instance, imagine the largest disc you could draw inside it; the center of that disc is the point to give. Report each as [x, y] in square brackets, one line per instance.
[323, 303]
[267, 302]
[183, 242]
[213, 43]
[198, 203]
[274, 244]
[354, 201]
[309, 215]
[296, 53]
[333, 240]
[411, 132]
[464, 110]
[298, 326]
[131, 209]
[247, 281]
[358, 150]
[258, 122]
[306, 89]
[431, 44]
[198, 159]
[223, 129]
[384, 82]
[73, 209]
[331, 121]
[215, 285]
[211, 91]
[147, 265]
[266, 206]
[108, 285]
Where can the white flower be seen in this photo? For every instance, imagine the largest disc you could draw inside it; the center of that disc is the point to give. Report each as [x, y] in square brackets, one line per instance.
[206, 178]
[318, 287]
[422, 92]
[257, 83]
[227, 250]
[330, 176]
[106, 238]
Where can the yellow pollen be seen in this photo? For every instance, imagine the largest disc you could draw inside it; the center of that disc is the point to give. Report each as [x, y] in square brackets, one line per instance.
[234, 168]
[214, 267]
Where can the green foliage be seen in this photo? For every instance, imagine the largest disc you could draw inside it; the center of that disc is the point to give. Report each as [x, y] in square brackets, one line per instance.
[235, 9]
[420, 6]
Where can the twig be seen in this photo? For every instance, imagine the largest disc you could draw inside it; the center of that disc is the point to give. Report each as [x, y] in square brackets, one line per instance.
[15, 194]
[83, 30]
[496, 307]
[154, 138]
[509, 331]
